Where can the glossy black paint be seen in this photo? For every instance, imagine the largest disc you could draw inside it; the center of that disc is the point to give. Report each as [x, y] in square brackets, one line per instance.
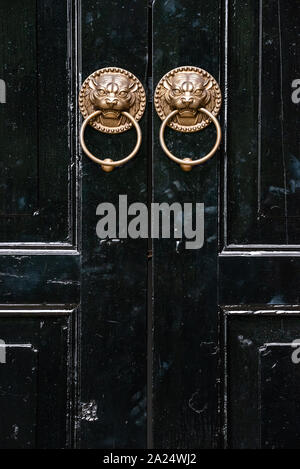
[39, 257]
[36, 384]
[36, 122]
[279, 396]
[114, 273]
[185, 330]
[263, 168]
[18, 397]
[259, 248]
[261, 379]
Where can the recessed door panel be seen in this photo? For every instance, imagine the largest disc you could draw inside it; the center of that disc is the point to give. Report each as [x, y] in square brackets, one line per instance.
[36, 131]
[262, 178]
[36, 397]
[18, 395]
[261, 378]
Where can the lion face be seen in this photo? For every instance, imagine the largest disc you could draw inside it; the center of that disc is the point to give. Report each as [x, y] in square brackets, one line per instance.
[187, 92]
[112, 94]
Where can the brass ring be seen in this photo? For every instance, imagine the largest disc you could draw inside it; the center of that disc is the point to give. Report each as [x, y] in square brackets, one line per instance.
[189, 162]
[108, 165]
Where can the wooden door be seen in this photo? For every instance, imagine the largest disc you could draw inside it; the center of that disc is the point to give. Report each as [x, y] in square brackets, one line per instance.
[143, 343]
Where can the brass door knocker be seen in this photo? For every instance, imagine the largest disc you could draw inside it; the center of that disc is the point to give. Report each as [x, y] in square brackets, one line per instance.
[112, 100]
[188, 99]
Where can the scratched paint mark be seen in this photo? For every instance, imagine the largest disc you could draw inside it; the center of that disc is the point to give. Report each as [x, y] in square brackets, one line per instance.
[15, 431]
[244, 342]
[195, 403]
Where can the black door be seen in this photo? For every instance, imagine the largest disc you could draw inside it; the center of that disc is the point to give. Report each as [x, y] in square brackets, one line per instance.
[124, 342]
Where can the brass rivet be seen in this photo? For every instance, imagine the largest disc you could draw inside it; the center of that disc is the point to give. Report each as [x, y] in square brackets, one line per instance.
[107, 168]
[186, 167]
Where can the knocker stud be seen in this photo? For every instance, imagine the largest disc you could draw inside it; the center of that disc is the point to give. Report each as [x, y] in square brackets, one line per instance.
[188, 99]
[112, 100]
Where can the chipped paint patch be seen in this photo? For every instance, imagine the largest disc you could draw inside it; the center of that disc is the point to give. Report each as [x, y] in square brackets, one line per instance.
[88, 411]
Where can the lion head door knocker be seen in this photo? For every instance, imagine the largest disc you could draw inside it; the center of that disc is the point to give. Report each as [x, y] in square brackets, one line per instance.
[112, 100]
[188, 99]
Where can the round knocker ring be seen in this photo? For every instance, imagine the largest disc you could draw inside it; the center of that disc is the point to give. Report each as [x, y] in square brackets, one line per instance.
[189, 162]
[108, 165]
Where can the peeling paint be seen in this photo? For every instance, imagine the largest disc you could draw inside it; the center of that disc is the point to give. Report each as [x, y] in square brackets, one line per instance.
[88, 411]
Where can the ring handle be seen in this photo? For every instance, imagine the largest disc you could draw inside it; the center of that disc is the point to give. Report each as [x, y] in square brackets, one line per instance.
[186, 164]
[108, 164]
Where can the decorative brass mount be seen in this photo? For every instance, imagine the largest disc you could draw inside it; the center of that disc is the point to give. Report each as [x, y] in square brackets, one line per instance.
[188, 99]
[112, 100]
